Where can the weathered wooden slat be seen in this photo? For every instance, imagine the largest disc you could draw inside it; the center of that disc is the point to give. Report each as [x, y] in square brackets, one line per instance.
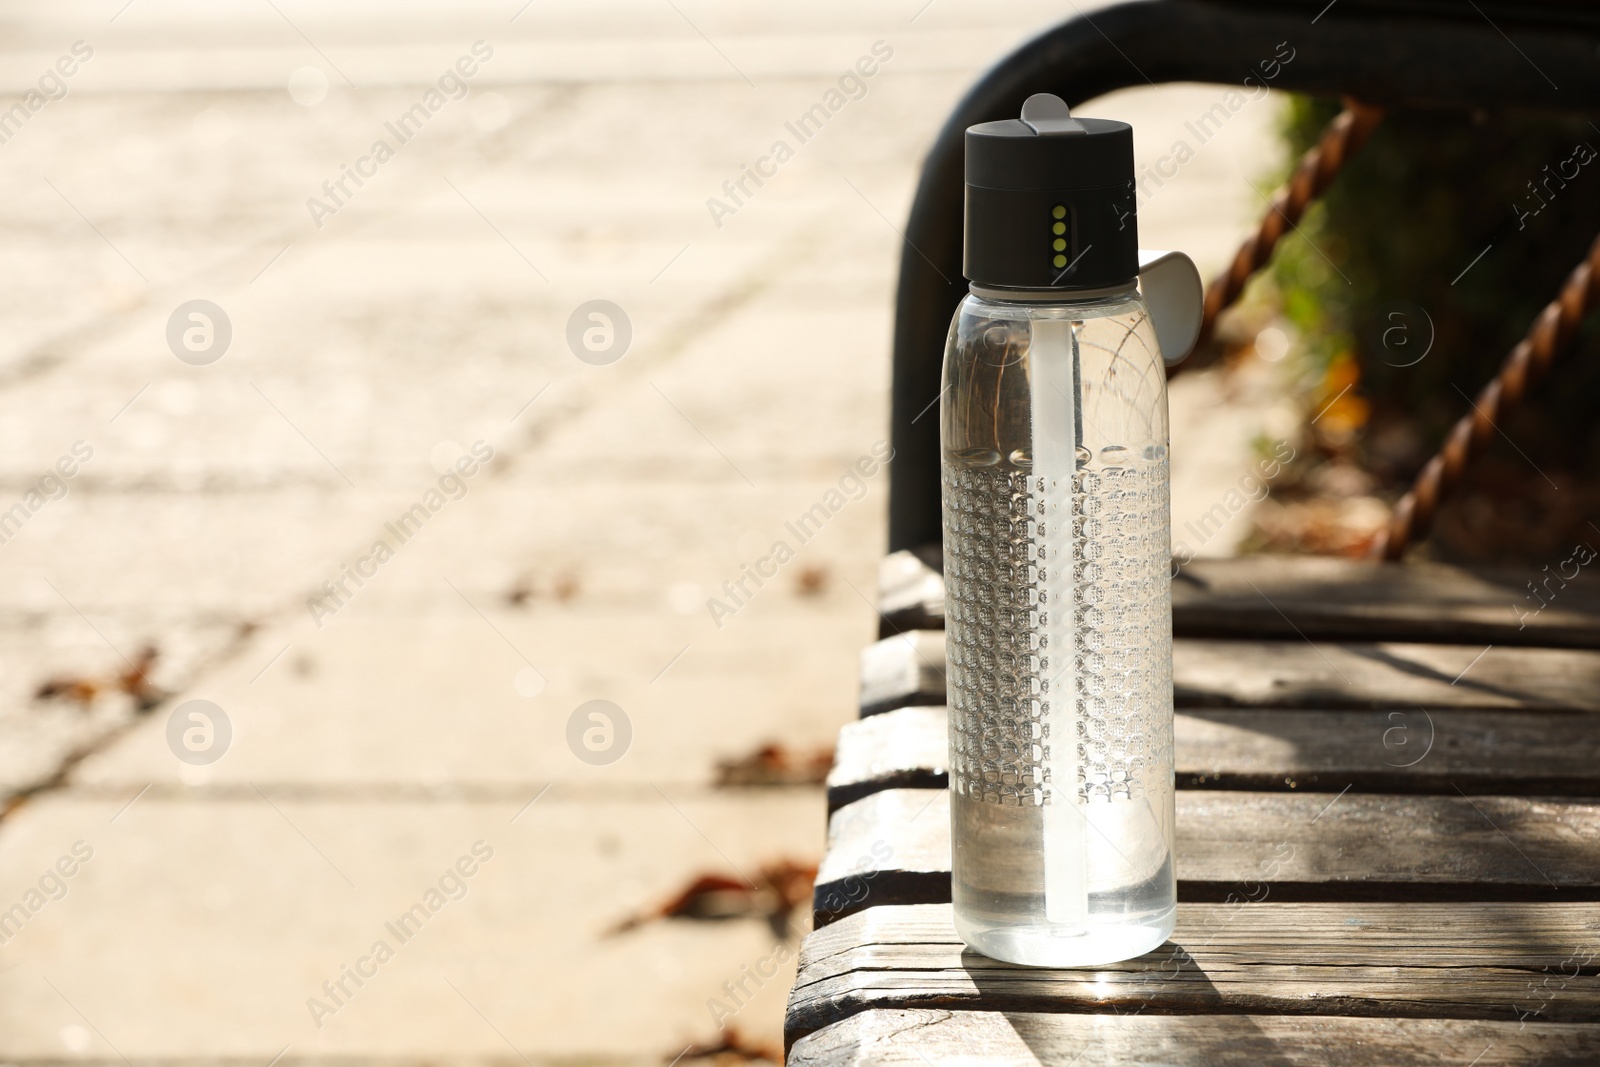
[1335, 599]
[908, 669]
[917, 1037]
[1519, 752]
[911, 591]
[1298, 673]
[905, 748]
[1451, 751]
[1504, 962]
[893, 847]
[904, 670]
[1326, 599]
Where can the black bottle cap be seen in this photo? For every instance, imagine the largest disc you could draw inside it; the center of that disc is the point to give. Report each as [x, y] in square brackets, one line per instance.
[1050, 201]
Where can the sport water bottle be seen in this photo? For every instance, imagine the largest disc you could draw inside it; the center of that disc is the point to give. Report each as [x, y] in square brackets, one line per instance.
[1057, 549]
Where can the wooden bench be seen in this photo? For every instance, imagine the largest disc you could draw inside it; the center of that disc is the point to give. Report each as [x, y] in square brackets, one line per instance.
[1388, 839]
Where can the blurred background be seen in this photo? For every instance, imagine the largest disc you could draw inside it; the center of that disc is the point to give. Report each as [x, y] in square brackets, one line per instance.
[340, 480]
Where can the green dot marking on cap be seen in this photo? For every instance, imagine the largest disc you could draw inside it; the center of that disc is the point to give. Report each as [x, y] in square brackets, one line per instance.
[1059, 244]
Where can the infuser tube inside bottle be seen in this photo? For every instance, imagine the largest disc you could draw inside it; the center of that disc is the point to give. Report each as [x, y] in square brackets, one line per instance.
[1055, 435]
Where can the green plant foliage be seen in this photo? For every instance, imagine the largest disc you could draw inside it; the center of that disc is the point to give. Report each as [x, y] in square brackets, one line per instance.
[1397, 232]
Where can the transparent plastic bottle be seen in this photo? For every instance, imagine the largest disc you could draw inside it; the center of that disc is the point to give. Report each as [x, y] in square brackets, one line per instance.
[1058, 608]
[1059, 629]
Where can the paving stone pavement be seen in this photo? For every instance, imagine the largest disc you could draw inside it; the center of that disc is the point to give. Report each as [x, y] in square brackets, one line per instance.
[378, 736]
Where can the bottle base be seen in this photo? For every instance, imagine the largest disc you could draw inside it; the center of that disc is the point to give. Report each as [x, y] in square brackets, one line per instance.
[1054, 945]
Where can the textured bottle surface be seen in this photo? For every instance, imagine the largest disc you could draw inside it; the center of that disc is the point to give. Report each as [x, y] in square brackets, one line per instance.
[1085, 727]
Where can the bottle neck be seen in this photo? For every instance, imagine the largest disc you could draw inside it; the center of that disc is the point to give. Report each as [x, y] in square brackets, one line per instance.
[1052, 296]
